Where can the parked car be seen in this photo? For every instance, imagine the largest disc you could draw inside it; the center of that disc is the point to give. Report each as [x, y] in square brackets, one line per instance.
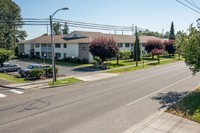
[10, 68]
[27, 72]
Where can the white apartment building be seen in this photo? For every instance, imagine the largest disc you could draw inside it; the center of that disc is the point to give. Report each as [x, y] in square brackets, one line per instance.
[75, 44]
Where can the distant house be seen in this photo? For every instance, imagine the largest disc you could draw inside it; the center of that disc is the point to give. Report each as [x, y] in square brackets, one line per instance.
[75, 44]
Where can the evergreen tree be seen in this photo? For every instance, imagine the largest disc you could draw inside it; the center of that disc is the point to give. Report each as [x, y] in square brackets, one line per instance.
[137, 47]
[172, 35]
[65, 30]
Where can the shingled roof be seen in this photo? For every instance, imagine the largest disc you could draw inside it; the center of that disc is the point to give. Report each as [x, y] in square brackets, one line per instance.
[86, 37]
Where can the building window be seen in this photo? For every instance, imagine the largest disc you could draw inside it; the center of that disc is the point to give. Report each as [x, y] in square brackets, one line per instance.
[57, 45]
[120, 45]
[58, 55]
[37, 45]
[127, 45]
[65, 45]
[65, 55]
[37, 53]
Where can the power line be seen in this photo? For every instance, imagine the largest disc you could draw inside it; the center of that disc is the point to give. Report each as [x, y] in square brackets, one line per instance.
[188, 6]
[194, 5]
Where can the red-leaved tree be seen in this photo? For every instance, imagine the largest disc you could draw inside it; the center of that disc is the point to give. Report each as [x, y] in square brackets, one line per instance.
[104, 48]
[154, 47]
[157, 52]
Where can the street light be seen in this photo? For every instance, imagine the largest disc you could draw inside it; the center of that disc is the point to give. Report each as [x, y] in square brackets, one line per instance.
[52, 42]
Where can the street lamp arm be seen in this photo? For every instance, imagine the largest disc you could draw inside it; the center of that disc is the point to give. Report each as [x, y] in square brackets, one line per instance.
[65, 8]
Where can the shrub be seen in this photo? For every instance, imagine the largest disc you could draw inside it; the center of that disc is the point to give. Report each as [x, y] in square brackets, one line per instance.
[50, 70]
[125, 54]
[38, 73]
[76, 60]
[85, 61]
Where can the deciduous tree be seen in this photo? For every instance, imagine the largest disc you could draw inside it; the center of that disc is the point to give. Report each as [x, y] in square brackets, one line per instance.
[154, 44]
[5, 55]
[10, 30]
[180, 39]
[104, 48]
[191, 49]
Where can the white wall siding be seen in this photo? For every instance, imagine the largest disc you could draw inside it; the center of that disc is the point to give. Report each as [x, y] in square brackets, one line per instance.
[27, 48]
[71, 50]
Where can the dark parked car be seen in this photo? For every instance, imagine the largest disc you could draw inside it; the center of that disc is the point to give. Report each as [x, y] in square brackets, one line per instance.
[27, 72]
[10, 68]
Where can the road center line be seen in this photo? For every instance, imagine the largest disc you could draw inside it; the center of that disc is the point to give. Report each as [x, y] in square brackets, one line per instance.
[16, 91]
[157, 91]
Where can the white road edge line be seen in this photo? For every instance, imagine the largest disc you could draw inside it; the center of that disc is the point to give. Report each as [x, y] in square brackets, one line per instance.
[16, 91]
[2, 95]
[157, 91]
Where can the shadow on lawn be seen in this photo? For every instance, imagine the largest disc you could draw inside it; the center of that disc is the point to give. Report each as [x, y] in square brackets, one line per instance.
[170, 98]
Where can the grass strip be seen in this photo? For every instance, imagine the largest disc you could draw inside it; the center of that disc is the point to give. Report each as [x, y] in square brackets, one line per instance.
[12, 79]
[63, 82]
[146, 65]
[188, 107]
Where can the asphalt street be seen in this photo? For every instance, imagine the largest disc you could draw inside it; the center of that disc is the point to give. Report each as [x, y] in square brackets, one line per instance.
[106, 106]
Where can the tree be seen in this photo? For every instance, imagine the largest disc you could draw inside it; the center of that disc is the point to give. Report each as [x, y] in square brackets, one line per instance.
[169, 47]
[5, 55]
[180, 39]
[191, 49]
[104, 48]
[137, 48]
[154, 44]
[157, 52]
[10, 29]
[57, 28]
[172, 35]
[65, 29]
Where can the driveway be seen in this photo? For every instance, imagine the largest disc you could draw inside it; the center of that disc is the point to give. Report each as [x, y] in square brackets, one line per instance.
[63, 70]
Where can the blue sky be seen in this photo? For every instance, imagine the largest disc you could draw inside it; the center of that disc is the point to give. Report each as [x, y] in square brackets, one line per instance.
[154, 15]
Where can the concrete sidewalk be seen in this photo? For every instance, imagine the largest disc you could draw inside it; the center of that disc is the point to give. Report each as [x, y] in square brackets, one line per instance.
[44, 83]
[163, 122]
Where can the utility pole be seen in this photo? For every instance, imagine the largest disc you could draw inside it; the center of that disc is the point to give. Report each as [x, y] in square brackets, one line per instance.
[136, 48]
[132, 29]
[47, 29]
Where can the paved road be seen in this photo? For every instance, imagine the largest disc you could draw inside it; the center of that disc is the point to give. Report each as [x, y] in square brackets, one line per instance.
[105, 106]
[63, 70]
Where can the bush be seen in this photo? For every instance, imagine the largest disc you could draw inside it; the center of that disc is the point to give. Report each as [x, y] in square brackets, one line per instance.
[125, 55]
[50, 71]
[38, 73]
[85, 61]
[76, 60]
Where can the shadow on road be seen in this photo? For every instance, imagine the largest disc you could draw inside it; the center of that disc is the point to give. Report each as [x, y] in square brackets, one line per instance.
[168, 99]
[86, 69]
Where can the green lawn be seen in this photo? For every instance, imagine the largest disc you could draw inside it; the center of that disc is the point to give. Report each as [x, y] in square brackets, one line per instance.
[131, 65]
[66, 81]
[188, 107]
[12, 79]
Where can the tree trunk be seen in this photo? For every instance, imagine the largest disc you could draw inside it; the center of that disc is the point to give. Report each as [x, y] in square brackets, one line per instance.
[158, 59]
[179, 56]
[117, 59]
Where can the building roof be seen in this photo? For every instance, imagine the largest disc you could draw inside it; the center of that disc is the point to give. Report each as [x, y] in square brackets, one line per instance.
[85, 37]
